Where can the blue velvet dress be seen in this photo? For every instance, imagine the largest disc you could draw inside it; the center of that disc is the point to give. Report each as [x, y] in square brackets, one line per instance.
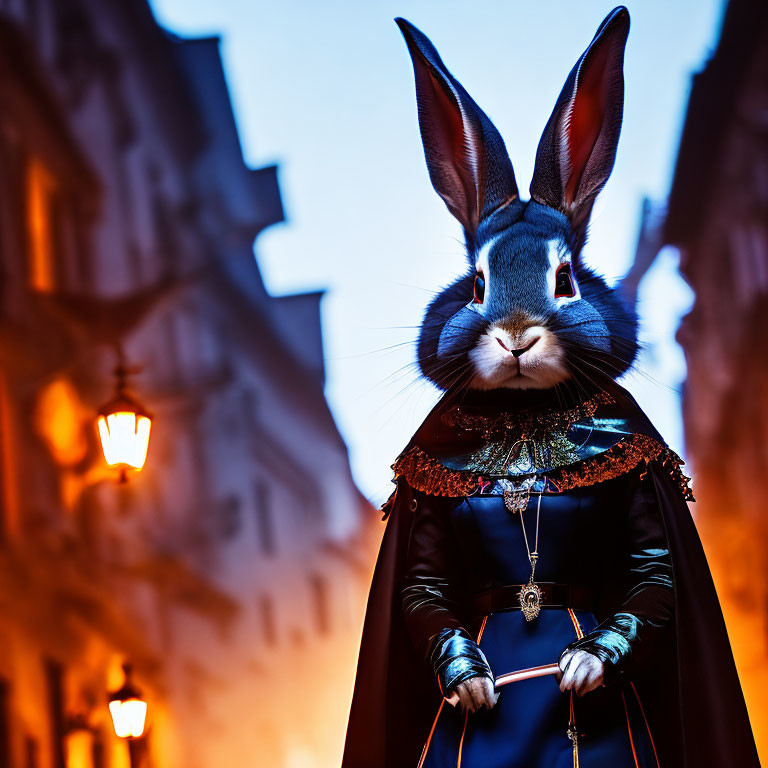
[588, 537]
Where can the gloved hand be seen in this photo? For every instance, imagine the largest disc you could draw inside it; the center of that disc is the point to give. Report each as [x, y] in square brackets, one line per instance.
[612, 642]
[628, 637]
[580, 671]
[462, 670]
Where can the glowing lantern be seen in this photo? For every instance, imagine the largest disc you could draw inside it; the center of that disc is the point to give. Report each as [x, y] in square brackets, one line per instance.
[124, 427]
[128, 709]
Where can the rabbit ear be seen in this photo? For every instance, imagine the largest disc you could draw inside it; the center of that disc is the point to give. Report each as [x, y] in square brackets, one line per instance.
[578, 147]
[466, 157]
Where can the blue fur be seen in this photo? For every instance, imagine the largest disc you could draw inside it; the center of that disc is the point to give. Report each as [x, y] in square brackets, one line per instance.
[598, 332]
[470, 170]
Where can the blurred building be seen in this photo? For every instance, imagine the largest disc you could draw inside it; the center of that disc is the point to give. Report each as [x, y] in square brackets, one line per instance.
[231, 572]
[718, 217]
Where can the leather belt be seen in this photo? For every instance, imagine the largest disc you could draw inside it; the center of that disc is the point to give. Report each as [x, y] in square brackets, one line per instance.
[552, 596]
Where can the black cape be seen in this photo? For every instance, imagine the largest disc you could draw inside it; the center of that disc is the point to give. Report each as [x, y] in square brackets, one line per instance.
[692, 697]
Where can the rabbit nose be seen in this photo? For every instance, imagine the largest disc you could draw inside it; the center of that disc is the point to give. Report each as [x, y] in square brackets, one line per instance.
[518, 352]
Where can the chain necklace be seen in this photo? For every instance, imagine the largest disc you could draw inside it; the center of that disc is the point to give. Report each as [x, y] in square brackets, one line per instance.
[529, 595]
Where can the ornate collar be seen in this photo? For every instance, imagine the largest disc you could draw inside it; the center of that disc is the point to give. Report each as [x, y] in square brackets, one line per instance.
[463, 449]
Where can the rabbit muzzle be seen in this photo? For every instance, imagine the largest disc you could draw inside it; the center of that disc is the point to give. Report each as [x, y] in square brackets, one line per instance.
[530, 358]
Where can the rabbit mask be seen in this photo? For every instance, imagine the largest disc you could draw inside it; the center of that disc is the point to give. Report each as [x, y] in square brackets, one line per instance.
[529, 314]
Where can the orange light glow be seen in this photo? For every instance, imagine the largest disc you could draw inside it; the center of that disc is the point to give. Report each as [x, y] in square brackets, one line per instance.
[59, 417]
[40, 188]
[124, 438]
[128, 717]
[79, 749]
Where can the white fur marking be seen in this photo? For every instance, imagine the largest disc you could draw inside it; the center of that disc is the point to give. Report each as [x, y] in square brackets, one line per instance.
[483, 264]
[540, 367]
[558, 254]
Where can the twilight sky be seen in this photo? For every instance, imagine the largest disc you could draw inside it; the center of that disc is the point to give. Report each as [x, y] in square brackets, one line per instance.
[326, 91]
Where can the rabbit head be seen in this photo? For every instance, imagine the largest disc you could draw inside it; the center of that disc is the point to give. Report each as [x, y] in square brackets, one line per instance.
[528, 314]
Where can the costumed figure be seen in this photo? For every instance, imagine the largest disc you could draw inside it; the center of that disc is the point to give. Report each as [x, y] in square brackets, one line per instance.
[541, 597]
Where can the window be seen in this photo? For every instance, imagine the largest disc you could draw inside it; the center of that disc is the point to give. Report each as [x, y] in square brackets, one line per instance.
[54, 257]
[166, 238]
[51, 191]
[31, 753]
[267, 618]
[98, 757]
[41, 226]
[321, 603]
[5, 726]
[54, 674]
[265, 527]
[249, 408]
[229, 517]
[169, 346]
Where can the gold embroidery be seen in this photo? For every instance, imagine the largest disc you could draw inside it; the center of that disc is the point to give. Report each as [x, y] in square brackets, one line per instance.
[647, 726]
[461, 743]
[573, 733]
[576, 624]
[523, 442]
[629, 731]
[428, 475]
[431, 734]
[526, 421]
[620, 458]
[466, 718]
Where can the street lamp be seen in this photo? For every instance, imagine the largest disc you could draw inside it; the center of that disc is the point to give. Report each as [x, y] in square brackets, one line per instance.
[128, 708]
[124, 426]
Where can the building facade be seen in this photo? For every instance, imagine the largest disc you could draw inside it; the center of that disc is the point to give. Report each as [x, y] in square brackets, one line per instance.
[231, 572]
[718, 218]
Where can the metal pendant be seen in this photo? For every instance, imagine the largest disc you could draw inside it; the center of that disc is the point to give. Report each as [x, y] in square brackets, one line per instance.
[530, 600]
[516, 501]
[516, 498]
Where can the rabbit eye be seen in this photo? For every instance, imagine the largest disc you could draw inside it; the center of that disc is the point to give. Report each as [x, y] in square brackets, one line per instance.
[564, 282]
[479, 288]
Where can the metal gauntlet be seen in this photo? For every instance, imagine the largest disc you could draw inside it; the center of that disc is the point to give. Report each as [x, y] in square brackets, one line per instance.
[456, 657]
[612, 642]
[628, 638]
